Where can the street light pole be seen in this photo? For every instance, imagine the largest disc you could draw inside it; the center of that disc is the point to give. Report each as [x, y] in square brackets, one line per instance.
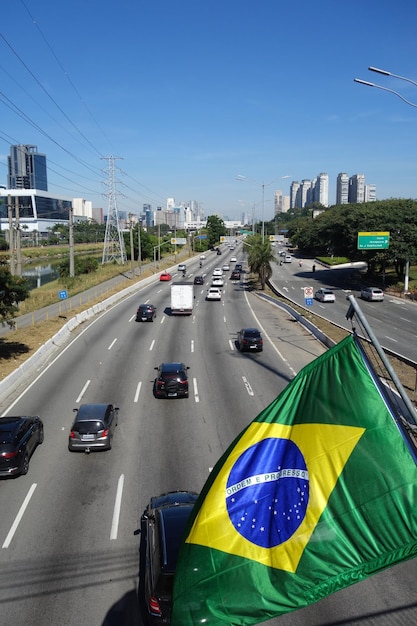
[262, 184]
[411, 104]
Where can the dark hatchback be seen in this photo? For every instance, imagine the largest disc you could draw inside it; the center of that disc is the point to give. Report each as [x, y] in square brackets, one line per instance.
[93, 427]
[19, 437]
[171, 381]
[250, 339]
[146, 313]
[199, 280]
[235, 275]
[162, 526]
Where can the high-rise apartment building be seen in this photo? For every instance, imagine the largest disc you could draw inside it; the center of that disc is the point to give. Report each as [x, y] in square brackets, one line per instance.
[357, 189]
[321, 189]
[342, 188]
[27, 168]
[370, 193]
[295, 195]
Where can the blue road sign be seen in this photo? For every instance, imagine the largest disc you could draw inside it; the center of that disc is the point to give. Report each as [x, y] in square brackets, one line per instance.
[63, 294]
[309, 301]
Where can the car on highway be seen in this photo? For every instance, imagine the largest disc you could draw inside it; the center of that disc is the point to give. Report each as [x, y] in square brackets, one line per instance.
[218, 251]
[163, 524]
[171, 380]
[239, 267]
[182, 267]
[146, 313]
[249, 340]
[226, 267]
[235, 275]
[19, 436]
[165, 276]
[202, 257]
[233, 259]
[217, 271]
[214, 293]
[217, 281]
[287, 258]
[372, 294]
[198, 280]
[325, 295]
[93, 427]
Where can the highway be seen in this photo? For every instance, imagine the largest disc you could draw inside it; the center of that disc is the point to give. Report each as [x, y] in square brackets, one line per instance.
[69, 555]
[394, 321]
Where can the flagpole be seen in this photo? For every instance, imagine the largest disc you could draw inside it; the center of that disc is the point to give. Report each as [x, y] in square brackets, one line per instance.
[354, 309]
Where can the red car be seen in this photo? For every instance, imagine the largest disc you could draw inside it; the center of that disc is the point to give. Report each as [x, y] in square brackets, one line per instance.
[165, 276]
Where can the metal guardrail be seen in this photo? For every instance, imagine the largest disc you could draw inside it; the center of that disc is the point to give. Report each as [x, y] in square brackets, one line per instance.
[327, 341]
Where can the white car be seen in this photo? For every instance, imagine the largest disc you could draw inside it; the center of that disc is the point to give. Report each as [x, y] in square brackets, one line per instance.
[213, 293]
[217, 271]
[202, 257]
[226, 267]
[233, 259]
[217, 281]
[287, 258]
[372, 294]
[325, 295]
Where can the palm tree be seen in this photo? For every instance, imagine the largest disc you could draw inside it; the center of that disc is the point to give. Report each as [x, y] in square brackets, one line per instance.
[260, 256]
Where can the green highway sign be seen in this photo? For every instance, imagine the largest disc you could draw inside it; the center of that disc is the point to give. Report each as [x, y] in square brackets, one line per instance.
[373, 240]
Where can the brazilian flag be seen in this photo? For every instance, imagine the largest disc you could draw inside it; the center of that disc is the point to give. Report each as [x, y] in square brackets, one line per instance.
[316, 494]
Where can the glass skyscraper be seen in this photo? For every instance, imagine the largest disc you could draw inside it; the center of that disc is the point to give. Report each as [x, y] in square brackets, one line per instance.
[27, 168]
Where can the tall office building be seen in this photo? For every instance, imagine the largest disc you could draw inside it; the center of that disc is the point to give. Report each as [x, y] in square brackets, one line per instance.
[342, 188]
[26, 168]
[357, 189]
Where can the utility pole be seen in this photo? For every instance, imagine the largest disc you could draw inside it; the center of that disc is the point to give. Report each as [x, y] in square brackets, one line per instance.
[132, 251]
[139, 250]
[11, 234]
[18, 239]
[71, 242]
[114, 247]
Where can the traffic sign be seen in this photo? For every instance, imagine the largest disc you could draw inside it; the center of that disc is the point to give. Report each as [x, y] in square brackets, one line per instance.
[63, 294]
[373, 240]
[309, 301]
[308, 292]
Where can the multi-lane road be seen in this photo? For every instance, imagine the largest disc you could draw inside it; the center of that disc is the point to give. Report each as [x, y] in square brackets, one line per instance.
[69, 555]
[394, 321]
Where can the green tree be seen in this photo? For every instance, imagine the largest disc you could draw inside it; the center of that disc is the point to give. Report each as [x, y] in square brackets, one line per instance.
[260, 257]
[13, 289]
[215, 229]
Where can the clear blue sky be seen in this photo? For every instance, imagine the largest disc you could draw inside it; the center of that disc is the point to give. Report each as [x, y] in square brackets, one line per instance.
[189, 94]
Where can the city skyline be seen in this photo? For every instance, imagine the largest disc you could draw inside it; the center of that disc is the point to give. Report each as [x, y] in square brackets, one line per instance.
[187, 101]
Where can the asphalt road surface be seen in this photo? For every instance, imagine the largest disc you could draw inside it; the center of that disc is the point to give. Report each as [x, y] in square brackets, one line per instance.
[69, 555]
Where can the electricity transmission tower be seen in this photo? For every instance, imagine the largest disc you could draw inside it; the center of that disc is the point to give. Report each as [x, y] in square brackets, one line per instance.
[114, 247]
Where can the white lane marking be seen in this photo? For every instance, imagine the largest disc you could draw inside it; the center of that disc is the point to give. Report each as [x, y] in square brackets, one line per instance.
[83, 390]
[247, 385]
[136, 398]
[152, 345]
[196, 396]
[112, 344]
[192, 345]
[163, 319]
[224, 318]
[404, 319]
[132, 318]
[18, 518]
[232, 344]
[287, 363]
[391, 339]
[117, 507]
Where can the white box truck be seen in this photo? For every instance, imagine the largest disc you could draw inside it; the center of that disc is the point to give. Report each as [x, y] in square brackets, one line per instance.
[182, 298]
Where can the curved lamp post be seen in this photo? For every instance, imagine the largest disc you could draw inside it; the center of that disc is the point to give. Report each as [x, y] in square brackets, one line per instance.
[411, 104]
[263, 185]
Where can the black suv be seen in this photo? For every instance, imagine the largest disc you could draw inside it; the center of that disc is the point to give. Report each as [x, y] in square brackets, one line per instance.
[250, 339]
[19, 437]
[162, 526]
[146, 313]
[171, 381]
